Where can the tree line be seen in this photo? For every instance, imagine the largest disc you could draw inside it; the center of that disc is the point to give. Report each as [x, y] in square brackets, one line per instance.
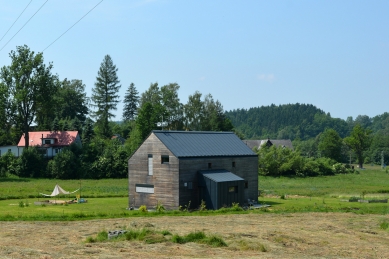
[316, 135]
[32, 98]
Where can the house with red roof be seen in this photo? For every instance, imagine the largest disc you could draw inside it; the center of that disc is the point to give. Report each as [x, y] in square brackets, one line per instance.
[50, 142]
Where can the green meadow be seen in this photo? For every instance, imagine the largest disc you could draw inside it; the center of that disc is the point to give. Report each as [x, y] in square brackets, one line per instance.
[371, 182]
[107, 198]
[21, 188]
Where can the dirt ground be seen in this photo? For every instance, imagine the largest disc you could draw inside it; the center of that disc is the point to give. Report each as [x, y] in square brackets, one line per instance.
[300, 235]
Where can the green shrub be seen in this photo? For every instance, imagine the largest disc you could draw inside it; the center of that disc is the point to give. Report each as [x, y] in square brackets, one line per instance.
[90, 240]
[203, 206]
[214, 241]
[101, 236]
[21, 204]
[186, 208]
[194, 236]
[384, 225]
[178, 239]
[143, 208]
[159, 208]
[235, 207]
[353, 199]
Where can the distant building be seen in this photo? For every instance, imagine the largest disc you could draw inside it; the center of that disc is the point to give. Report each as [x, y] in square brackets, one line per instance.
[13, 149]
[287, 143]
[50, 142]
[119, 138]
[176, 168]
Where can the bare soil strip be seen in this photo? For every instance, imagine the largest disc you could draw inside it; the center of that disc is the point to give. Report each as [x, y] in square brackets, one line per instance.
[300, 235]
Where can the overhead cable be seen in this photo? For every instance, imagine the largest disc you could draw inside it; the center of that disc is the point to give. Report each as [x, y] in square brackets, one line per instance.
[24, 25]
[73, 25]
[16, 20]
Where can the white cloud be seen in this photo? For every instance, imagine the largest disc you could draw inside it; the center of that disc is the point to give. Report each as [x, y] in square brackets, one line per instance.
[202, 78]
[266, 77]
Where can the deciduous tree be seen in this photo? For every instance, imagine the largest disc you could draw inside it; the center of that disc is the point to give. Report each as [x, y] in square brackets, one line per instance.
[359, 141]
[29, 82]
[330, 144]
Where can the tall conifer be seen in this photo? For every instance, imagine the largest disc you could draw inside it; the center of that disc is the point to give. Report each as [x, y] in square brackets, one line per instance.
[105, 93]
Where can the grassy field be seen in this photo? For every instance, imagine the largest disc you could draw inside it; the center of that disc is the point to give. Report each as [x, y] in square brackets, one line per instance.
[372, 182]
[108, 198]
[21, 188]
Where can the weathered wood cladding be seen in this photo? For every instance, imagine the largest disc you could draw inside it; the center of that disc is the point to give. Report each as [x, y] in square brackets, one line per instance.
[164, 179]
[245, 167]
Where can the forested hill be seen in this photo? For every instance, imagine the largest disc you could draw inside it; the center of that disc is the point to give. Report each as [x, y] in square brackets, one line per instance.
[289, 121]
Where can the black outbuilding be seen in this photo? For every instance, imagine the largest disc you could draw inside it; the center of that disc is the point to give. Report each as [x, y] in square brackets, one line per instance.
[220, 188]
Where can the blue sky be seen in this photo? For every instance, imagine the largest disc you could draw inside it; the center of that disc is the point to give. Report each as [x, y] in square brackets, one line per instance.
[332, 54]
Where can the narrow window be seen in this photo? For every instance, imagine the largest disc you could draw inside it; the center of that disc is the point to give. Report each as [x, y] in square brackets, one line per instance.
[190, 185]
[150, 164]
[164, 159]
[209, 165]
[144, 188]
[233, 164]
[246, 184]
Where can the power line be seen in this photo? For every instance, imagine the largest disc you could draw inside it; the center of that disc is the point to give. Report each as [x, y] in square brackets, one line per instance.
[73, 25]
[24, 25]
[16, 20]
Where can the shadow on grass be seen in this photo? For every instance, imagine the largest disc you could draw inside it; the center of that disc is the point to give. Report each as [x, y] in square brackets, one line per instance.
[4, 180]
[269, 203]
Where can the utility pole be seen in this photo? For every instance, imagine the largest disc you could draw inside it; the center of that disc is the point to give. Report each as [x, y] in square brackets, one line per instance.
[350, 158]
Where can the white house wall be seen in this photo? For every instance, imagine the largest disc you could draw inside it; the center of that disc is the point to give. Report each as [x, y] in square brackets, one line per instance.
[14, 150]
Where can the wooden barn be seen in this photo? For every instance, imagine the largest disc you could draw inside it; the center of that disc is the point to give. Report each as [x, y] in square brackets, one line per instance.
[178, 168]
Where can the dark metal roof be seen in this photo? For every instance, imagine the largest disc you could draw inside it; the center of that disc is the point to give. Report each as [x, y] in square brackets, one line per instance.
[220, 175]
[203, 143]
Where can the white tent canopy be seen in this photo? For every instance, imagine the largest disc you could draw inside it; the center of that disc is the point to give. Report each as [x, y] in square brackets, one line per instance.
[58, 190]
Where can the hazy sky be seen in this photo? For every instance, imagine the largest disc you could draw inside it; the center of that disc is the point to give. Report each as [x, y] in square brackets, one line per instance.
[332, 54]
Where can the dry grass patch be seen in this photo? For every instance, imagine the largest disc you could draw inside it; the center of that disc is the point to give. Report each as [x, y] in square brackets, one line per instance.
[299, 235]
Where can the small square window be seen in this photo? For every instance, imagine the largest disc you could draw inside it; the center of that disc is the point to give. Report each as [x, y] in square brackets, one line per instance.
[233, 164]
[164, 159]
[190, 185]
[233, 189]
[209, 165]
[47, 141]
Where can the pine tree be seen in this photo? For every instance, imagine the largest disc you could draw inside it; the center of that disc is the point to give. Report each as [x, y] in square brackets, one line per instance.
[87, 131]
[131, 100]
[105, 93]
[55, 125]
